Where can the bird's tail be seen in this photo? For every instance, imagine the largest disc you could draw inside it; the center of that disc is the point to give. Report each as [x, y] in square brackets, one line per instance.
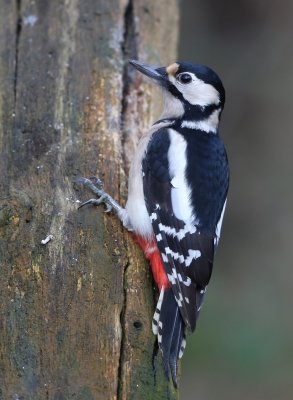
[168, 325]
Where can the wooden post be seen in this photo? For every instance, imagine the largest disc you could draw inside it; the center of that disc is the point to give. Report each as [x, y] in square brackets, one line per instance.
[75, 313]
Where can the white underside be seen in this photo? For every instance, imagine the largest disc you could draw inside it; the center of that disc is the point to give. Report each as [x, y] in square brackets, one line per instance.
[135, 205]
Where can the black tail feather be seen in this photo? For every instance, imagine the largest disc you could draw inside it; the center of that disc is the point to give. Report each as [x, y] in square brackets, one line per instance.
[175, 347]
[171, 335]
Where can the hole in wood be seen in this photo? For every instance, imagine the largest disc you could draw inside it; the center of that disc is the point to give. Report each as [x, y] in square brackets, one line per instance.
[137, 325]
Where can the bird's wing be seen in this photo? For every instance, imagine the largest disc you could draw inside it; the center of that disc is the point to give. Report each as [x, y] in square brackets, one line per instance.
[187, 254]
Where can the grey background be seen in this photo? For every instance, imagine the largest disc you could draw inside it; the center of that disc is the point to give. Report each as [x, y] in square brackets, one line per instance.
[243, 347]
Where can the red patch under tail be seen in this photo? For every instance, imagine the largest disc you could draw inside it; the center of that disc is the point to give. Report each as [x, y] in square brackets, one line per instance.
[152, 254]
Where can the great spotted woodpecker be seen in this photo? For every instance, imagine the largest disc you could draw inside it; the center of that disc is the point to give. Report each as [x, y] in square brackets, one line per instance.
[178, 184]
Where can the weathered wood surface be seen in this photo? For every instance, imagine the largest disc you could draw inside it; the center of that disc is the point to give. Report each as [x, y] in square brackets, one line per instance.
[75, 314]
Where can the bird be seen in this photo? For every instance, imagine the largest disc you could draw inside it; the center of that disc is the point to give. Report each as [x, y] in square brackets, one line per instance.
[177, 191]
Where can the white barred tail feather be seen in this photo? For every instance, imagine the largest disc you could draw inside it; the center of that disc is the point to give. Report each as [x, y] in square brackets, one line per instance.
[169, 327]
[156, 317]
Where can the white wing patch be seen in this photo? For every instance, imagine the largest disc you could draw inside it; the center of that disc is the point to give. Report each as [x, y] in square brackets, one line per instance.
[180, 192]
[175, 276]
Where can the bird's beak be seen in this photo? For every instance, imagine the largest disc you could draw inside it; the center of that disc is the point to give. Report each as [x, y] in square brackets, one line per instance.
[159, 75]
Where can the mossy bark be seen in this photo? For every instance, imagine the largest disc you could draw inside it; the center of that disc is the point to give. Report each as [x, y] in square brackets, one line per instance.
[75, 313]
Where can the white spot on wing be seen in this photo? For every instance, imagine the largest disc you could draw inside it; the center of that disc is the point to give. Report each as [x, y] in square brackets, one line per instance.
[193, 255]
[160, 339]
[164, 257]
[182, 348]
[153, 216]
[179, 300]
[175, 277]
[186, 282]
[172, 277]
[174, 255]
[219, 225]
[180, 234]
[159, 237]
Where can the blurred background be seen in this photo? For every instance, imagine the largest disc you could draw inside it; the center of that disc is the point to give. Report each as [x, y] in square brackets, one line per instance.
[243, 347]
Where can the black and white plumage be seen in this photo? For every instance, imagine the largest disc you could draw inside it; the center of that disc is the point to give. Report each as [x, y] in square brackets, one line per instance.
[178, 185]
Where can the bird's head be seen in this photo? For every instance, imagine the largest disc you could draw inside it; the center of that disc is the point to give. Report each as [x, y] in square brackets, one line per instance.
[191, 91]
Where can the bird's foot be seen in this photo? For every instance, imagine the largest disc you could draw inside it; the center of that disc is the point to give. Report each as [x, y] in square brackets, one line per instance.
[96, 186]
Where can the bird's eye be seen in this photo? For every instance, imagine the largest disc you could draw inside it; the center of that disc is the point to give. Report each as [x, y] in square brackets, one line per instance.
[184, 78]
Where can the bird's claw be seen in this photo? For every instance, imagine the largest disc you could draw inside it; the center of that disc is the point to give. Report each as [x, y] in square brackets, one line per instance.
[90, 201]
[96, 185]
[109, 208]
[104, 198]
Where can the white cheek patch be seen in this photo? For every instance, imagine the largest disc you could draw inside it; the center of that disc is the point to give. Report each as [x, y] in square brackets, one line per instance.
[197, 92]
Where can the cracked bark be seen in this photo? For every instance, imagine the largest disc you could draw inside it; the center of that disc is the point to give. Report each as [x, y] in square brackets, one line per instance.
[17, 36]
[75, 314]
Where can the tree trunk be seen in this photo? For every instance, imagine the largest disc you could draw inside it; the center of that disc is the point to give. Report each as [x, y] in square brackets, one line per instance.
[75, 312]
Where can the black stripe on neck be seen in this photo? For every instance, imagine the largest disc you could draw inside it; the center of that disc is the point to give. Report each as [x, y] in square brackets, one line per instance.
[198, 113]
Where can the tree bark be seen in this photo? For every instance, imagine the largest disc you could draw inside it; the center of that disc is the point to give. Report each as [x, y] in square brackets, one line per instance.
[75, 312]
